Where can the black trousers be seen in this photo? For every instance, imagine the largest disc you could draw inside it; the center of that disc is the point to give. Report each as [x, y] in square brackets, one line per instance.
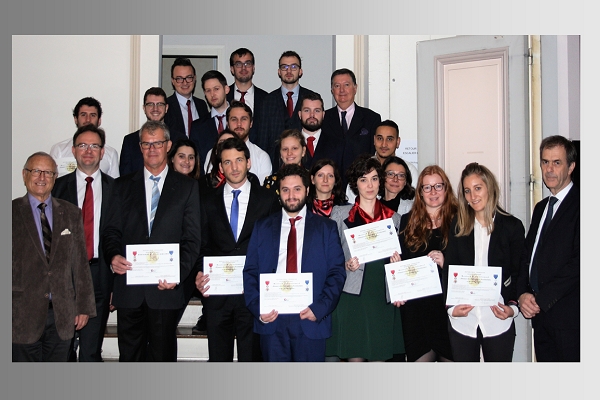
[50, 347]
[555, 345]
[494, 348]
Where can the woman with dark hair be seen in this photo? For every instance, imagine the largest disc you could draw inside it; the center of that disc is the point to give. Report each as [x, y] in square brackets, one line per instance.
[292, 149]
[366, 326]
[425, 231]
[398, 192]
[183, 158]
[325, 188]
[483, 234]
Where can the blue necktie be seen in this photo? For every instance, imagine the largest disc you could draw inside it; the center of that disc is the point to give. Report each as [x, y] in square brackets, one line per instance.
[533, 276]
[155, 198]
[344, 123]
[235, 209]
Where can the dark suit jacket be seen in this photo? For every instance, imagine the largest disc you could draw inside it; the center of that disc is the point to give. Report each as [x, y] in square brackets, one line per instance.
[177, 220]
[505, 250]
[273, 120]
[67, 275]
[558, 264]
[131, 159]
[321, 254]
[259, 97]
[329, 146]
[174, 118]
[204, 134]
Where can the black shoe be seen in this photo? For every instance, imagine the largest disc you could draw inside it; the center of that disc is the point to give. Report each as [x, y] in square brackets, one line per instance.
[200, 327]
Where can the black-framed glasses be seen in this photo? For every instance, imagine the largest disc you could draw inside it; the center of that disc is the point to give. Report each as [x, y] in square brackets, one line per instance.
[188, 79]
[401, 176]
[85, 146]
[157, 105]
[157, 145]
[438, 187]
[37, 172]
[247, 64]
[285, 67]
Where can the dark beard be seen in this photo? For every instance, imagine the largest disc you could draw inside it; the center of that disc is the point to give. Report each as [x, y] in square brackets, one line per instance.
[311, 128]
[297, 208]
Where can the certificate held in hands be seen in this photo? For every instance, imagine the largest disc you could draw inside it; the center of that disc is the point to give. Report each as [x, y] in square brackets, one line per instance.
[373, 241]
[151, 262]
[225, 274]
[474, 286]
[412, 279]
[285, 293]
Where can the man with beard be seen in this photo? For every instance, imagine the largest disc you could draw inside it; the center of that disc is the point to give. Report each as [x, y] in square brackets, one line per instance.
[288, 242]
[241, 65]
[319, 143]
[279, 110]
[205, 133]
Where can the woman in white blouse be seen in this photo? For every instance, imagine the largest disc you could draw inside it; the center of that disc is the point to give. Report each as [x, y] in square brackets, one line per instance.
[483, 234]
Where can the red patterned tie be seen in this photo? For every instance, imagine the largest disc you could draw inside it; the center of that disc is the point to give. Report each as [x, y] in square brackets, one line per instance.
[88, 217]
[311, 146]
[292, 255]
[220, 128]
[189, 108]
[290, 104]
[243, 94]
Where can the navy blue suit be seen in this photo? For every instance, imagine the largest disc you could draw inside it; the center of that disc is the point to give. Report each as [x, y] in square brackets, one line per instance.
[204, 134]
[329, 146]
[174, 118]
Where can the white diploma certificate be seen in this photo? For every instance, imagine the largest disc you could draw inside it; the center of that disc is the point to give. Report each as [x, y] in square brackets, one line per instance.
[285, 293]
[225, 274]
[475, 286]
[373, 241]
[66, 165]
[151, 262]
[412, 279]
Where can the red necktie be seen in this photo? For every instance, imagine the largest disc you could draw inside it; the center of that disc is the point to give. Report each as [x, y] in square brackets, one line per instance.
[88, 217]
[292, 255]
[220, 128]
[189, 107]
[242, 98]
[311, 146]
[290, 104]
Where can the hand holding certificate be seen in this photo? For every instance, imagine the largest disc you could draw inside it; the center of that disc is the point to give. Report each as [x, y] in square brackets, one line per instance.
[411, 279]
[475, 286]
[285, 293]
[373, 241]
[153, 262]
[225, 274]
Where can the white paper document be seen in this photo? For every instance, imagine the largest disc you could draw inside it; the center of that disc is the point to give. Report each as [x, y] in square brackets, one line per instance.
[285, 293]
[373, 241]
[151, 262]
[412, 279]
[225, 274]
[66, 165]
[475, 286]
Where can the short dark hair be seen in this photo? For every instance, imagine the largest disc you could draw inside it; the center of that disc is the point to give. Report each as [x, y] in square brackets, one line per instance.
[294, 169]
[362, 165]
[240, 52]
[90, 128]
[182, 62]
[558, 140]
[90, 102]
[312, 97]
[391, 124]
[291, 53]
[213, 74]
[343, 71]
[155, 91]
[238, 104]
[408, 193]
[234, 143]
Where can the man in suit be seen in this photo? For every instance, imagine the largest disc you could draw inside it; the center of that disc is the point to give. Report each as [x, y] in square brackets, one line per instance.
[290, 241]
[241, 65]
[549, 280]
[184, 107]
[155, 107]
[87, 111]
[205, 133]
[320, 144]
[280, 108]
[233, 209]
[354, 123]
[155, 205]
[52, 292]
[93, 198]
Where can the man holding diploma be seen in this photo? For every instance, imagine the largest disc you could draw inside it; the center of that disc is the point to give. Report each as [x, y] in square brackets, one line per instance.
[294, 241]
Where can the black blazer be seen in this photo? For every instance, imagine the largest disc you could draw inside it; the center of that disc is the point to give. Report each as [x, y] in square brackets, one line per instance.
[558, 264]
[259, 97]
[204, 134]
[329, 146]
[505, 250]
[131, 158]
[218, 240]
[177, 220]
[273, 120]
[174, 118]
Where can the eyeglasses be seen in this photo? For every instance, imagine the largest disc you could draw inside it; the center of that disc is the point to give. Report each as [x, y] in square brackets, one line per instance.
[157, 105]
[37, 172]
[401, 176]
[85, 146]
[156, 145]
[285, 67]
[180, 79]
[438, 187]
[247, 64]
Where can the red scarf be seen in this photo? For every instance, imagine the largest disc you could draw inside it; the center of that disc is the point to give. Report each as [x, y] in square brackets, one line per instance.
[323, 207]
[381, 212]
[221, 179]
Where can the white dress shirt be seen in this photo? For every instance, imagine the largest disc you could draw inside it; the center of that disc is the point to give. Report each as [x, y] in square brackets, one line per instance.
[243, 201]
[316, 135]
[184, 112]
[148, 184]
[248, 98]
[62, 150]
[285, 231]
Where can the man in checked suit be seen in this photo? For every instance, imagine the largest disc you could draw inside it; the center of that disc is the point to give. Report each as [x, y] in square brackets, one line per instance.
[279, 110]
[228, 234]
[88, 150]
[549, 280]
[155, 205]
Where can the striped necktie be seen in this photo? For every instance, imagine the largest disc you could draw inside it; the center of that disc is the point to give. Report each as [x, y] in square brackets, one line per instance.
[46, 231]
[155, 198]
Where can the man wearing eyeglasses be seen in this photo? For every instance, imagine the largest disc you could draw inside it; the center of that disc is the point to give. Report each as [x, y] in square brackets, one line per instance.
[87, 111]
[184, 107]
[52, 292]
[155, 205]
[93, 198]
[155, 107]
[279, 110]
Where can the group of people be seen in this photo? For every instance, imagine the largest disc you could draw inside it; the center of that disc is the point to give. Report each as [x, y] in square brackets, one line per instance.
[276, 178]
